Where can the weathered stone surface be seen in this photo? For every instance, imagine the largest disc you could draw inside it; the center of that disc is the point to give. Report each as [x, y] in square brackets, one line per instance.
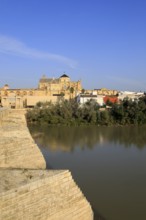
[27, 191]
[43, 195]
[17, 148]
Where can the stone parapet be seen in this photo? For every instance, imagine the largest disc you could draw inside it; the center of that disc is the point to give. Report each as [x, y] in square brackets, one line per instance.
[41, 195]
[4, 112]
[17, 148]
[27, 190]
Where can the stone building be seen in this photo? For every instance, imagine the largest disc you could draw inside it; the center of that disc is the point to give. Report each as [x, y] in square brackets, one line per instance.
[49, 89]
[130, 95]
[104, 91]
[62, 85]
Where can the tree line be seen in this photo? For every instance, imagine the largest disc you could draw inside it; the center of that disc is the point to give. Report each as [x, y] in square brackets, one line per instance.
[69, 112]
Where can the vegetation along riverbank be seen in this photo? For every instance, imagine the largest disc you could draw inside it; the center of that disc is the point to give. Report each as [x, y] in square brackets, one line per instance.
[69, 112]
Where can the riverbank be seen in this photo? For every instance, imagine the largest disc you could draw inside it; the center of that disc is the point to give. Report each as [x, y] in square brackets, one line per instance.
[70, 113]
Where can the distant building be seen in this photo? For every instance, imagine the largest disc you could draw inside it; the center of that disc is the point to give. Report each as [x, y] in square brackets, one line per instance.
[101, 96]
[112, 99]
[104, 91]
[130, 95]
[49, 89]
[60, 85]
[83, 98]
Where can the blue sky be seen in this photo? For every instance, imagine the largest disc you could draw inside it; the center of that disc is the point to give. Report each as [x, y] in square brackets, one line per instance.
[101, 42]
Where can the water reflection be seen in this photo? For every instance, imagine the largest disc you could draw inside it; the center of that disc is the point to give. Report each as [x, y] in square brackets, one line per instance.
[108, 164]
[68, 138]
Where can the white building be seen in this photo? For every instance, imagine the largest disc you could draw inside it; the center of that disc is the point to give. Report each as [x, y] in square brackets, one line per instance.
[83, 98]
[130, 95]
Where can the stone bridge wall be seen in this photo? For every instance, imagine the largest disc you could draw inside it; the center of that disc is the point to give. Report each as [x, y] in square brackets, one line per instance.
[17, 148]
[3, 114]
[27, 190]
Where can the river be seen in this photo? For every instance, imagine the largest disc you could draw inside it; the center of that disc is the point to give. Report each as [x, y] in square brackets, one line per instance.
[107, 163]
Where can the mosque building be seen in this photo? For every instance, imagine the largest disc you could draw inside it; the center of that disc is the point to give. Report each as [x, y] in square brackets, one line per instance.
[49, 89]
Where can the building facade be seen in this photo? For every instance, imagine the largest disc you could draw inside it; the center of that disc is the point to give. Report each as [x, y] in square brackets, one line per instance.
[130, 95]
[49, 89]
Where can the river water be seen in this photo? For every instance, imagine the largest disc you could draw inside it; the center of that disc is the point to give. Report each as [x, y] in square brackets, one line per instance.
[108, 164]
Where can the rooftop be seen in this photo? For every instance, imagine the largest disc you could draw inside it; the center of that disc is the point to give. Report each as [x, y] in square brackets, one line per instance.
[64, 75]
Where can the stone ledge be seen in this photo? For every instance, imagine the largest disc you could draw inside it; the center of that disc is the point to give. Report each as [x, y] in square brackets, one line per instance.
[41, 194]
[17, 148]
[27, 191]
